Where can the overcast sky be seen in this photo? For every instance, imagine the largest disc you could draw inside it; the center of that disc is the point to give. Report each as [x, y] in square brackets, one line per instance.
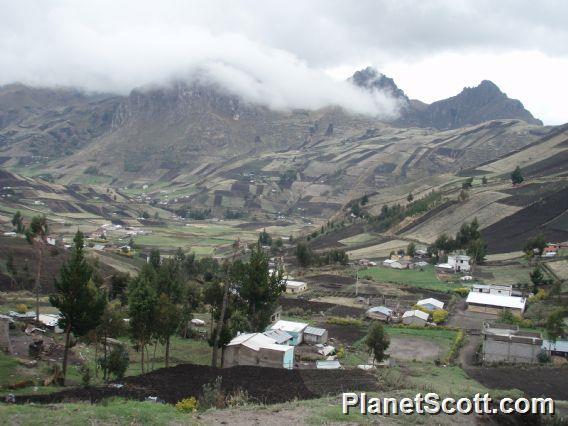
[296, 53]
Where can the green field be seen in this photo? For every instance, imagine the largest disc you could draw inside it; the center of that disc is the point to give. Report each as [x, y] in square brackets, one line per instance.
[425, 278]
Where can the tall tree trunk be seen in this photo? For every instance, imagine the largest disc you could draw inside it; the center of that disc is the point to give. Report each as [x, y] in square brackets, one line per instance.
[38, 276]
[65, 354]
[167, 351]
[142, 358]
[154, 356]
[219, 326]
[105, 369]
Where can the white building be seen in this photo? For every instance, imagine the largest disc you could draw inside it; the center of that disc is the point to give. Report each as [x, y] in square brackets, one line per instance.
[415, 317]
[431, 304]
[456, 263]
[504, 289]
[295, 286]
[258, 349]
[294, 329]
[494, 303]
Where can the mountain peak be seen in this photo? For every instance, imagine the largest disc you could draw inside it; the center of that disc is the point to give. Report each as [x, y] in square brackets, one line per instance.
[370, 78]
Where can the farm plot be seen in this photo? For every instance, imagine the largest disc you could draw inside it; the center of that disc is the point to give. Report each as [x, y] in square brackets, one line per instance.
[506, 274]
[510, 234]
[424, 344]
[560, 268]
[425, 278]
[484, 205]
[378, 250]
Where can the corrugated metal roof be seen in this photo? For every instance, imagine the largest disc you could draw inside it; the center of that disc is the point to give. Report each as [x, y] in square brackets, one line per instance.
[559, 345]
[257, 341]
[499, 300]
[328, 365]
[380, 309]
[315, 331]
[289, 326]
[431, 301]
[279, 336]
[416, 313]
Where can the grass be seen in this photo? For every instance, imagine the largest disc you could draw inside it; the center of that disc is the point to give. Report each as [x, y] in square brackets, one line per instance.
[357, 239]
[505, 274]
[114, 411]
[425, 278]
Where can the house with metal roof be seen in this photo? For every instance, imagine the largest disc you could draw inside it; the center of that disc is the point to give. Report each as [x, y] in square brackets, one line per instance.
[258, 349]
[558, 348]
[506, 343]
[315, 335]
[381, 313]
[504, 289]
[415, 317]
[431, 304]
[280, 336]
[294, 329]
[494, 303]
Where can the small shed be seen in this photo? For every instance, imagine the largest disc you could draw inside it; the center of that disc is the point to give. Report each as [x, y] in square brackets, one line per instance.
[415, 317]
[258, 349]
[325, 364]
[315, 335]
[558, 348]
[294, 329]
[431, 304]
[381, 313]
[295, 286]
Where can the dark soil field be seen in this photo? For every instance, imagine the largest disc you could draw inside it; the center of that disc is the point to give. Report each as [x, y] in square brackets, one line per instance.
[535, 382]
[306, 305]
[345, 334]
[331, 240]
[510, 234]
[265, 385]
[331, 281]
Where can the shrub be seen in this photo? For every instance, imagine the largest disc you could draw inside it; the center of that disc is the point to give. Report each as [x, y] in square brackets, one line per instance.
[187, 405]
[345, 321]
[116, 362]
[454, 350]
[85, 375]
[540, 295]
[440, 316]
[21, 308]
[213, 395]
[462, 291]
[340, 353]
[239, 398]
[543, 357]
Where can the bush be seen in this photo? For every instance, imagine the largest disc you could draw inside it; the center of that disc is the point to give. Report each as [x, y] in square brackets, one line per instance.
[462, 291]
[543, 357]
[345, 321]
[187, 405]
[239, 398]
[454, 350]
[21, 308]
[85, 375]
[540, 295]
[340, 353]
[213, 395]
[440, 316]
[116, 362]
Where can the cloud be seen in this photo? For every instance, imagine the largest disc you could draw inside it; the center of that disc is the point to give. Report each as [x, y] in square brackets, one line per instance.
[270, 52]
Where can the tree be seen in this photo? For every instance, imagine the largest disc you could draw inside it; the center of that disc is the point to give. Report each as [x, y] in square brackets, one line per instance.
[555, 326]
[535, 246]
[264, 238]
[410, 197]
[168, 317]
[155, 259]
[117, 362]
[142, 304]
[468, 183]
[18, 222]
[484, 180]
[258, 288]
[411, 249]
[537, 277]
[303, 254]
[377, 342]
[111, 325]
[118, 285]
[364, 200]
[36, 235]
[81, 304]
[464, 195]
[517, 176]
[477, 250]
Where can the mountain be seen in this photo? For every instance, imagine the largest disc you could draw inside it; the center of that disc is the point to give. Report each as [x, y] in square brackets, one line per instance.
[472, 106]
